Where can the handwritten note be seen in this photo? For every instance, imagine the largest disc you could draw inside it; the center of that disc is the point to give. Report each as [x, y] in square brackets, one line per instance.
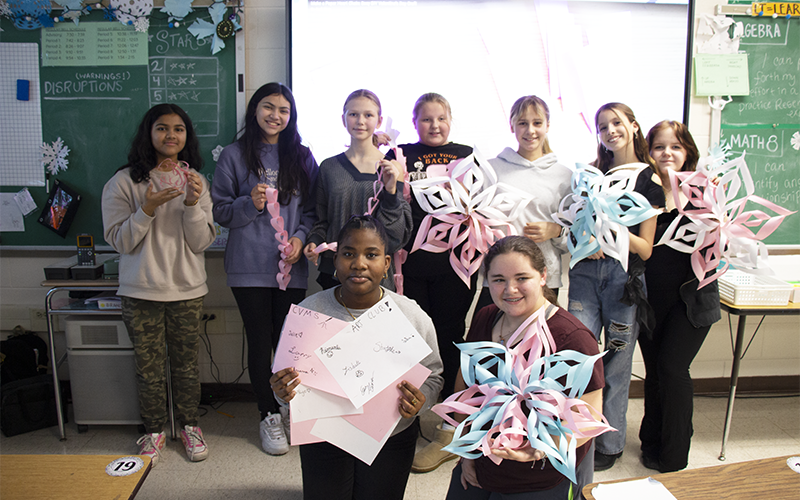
[364, 435]
[311, 403]
[373, 351]
[304, 331]
[11, 218]
[721, 74]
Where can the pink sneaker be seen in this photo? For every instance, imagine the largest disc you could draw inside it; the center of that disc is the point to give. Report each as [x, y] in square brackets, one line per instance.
[194, 443]
[152, 444]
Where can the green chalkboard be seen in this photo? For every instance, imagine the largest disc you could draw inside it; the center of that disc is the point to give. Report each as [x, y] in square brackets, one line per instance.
[97, 122]
[766, 123]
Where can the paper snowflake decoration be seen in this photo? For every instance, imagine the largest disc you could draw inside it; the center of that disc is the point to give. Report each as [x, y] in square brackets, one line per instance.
[600, 209]
[31, 14]
[5, 10]
[177, 9]
[129, 11]
[216, 152]
[142, 24]
[714, 225]
[110, 13]
[468, 208]
[221, 27]
[796, 141]
[54, 156]
[514, 398]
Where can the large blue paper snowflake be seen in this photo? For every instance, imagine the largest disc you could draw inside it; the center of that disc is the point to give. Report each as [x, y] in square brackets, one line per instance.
[600, 209]
[221, 26]
[177, 9]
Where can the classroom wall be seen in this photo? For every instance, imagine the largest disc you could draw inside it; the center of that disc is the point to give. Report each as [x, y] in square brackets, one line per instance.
[775, 351]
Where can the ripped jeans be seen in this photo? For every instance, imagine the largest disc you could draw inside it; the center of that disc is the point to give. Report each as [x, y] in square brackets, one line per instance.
[595, 289]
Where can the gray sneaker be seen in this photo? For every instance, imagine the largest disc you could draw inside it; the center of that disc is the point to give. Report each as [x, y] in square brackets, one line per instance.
[273, 438]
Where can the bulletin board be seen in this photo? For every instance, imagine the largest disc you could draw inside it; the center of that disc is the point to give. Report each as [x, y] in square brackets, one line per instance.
[95, 84]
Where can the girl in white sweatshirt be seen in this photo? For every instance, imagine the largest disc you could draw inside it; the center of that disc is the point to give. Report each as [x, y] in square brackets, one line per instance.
[157, 215]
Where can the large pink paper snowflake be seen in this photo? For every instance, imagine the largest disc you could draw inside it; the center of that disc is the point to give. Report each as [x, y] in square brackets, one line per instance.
[473, 210]
[714, 225]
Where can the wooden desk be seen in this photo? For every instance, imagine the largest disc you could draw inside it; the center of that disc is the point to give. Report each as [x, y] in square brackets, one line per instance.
[768, 478]
[45, 477]
[743, 311]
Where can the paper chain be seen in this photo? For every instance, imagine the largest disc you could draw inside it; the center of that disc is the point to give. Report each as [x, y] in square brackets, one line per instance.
[524, 400]
[180, 171]
[472, 208]
[273, 207]
[372, 203]
[600, 209]
[717, 232]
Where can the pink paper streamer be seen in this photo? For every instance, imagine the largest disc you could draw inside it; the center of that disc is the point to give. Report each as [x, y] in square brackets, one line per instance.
[400, 257]
[273, 207]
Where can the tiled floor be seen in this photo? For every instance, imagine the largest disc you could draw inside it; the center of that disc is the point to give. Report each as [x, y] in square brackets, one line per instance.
[237, 468]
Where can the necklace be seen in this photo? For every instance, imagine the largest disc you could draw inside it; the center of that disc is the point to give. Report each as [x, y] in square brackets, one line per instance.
[341, 301]
[502, 323]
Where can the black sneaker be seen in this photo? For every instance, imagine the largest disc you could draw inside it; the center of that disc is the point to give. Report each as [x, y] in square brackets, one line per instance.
[604, 462]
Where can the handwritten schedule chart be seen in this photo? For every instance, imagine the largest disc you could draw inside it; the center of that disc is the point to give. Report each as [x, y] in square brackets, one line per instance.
[93, 44]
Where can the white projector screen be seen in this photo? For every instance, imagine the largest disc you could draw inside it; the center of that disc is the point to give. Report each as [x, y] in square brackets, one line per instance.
[482, 56]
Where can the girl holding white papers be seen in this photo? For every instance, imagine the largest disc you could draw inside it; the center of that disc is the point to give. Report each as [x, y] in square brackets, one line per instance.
[329, 472]
[602, 295]
[516, 276]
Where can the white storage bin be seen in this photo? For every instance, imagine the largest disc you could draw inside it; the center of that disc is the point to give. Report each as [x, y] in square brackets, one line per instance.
[745, 289]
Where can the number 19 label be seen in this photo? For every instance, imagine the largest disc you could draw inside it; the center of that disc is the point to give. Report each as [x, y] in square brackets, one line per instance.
[124, 466]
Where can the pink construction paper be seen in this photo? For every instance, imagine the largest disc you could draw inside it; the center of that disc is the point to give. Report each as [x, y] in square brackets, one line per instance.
[301, 433]
[303, 332]
[382, 412]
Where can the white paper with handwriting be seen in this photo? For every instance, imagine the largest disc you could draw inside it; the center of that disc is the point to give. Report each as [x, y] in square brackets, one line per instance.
[373, 351]
[311, 403]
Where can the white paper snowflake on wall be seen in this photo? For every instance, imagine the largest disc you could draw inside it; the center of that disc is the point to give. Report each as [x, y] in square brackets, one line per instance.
[54, 156]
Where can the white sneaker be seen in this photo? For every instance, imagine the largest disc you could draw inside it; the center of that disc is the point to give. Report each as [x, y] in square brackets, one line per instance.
[194, 443]
[151, 445]
[273, 439]
[286, 420]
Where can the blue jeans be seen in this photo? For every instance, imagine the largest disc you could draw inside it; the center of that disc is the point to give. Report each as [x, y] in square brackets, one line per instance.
[595, 290]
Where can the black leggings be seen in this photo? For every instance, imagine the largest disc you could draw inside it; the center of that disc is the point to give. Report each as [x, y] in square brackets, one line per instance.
[666, 431]
[263, 311]
[330, 473]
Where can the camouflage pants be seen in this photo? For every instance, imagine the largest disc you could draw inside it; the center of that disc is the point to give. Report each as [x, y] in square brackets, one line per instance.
[153, 327]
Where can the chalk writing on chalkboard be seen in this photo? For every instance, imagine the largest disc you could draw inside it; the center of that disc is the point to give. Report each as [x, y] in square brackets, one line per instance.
[191, 83]
[764, 122]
